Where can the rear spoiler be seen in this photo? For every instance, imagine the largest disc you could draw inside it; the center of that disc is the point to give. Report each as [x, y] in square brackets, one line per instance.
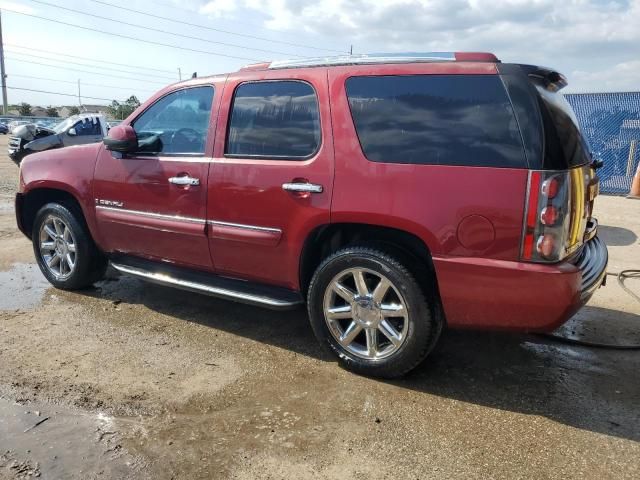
[550, 79]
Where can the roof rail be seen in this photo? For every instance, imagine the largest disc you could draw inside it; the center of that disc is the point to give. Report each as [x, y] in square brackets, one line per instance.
[373, 58]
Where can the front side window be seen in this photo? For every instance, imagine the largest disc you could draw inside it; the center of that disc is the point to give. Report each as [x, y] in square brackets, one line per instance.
[88, 126]
[436, 119]
[274, 119]
[178, 123]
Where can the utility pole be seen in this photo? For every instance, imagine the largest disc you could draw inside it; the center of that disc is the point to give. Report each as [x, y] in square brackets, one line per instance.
[79, 97]
[5, 106]
[179, 74]
[351, 50]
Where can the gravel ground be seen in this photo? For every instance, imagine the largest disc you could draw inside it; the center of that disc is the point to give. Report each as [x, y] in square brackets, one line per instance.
[131, 380]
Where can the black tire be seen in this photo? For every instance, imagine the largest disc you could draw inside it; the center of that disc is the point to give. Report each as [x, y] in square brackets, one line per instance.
[17, 157]
[89, 263]
[423, 326]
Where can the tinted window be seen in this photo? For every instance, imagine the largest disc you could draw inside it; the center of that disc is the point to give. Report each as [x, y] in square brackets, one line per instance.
[565, 144]
[435, 119]
[274, 119]
[88, 126]
[177, 123]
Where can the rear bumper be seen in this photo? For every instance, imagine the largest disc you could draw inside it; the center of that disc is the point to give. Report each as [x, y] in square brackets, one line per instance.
[498, 294]
[592, 263]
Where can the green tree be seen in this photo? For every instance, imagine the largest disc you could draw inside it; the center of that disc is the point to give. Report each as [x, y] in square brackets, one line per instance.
[120, 111]
[74, 110]
[52, 112]
[24, 109]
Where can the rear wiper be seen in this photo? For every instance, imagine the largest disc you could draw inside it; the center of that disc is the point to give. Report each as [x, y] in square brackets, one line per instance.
[596, 162]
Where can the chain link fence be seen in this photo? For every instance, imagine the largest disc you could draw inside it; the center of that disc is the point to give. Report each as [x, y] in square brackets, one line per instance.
[611, 123]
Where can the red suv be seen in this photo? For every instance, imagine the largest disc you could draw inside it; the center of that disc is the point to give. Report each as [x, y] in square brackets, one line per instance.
[392, 194]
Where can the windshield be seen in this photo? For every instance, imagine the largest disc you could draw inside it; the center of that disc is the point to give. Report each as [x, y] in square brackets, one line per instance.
[64, 125]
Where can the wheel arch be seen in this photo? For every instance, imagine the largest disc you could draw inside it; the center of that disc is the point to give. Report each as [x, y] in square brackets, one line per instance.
[33, 200]
[411, 249]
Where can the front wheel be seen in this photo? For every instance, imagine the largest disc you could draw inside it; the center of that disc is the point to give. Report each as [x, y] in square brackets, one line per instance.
[64, 249]
[367, 307]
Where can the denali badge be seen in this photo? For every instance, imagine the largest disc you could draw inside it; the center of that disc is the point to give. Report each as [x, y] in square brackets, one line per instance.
[109, 203]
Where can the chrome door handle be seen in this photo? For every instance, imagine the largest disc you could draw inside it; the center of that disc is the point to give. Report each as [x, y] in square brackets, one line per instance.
[185, 180]
[302, 187]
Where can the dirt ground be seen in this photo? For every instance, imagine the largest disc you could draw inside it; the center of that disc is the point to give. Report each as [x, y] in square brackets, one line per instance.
[131, 380]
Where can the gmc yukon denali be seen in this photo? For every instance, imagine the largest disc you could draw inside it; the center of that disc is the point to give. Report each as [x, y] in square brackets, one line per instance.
[393, 194]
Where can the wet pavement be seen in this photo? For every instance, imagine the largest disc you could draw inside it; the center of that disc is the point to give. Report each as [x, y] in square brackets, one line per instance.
[141, 381]
[62, 440]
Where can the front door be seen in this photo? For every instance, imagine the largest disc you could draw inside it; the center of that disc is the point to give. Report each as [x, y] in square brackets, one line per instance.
[272, 173]
[152, 203]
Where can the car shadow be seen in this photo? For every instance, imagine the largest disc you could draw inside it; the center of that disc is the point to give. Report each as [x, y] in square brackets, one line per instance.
[596, 390]
[617, 236]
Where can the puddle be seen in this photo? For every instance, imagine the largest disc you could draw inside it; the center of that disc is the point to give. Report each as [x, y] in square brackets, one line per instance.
[22, 287]
[602, 327]
[54, 442]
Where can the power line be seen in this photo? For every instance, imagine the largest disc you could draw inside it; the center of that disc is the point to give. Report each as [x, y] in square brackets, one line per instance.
[87, 58]
[59, 93]
[88, 65]
[84, 84]
[151, 42]
[158, 30]
[255, 37]
[85, 71]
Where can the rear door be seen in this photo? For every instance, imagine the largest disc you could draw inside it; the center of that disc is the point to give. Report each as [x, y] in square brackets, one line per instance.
[272, 174]
[152, 203]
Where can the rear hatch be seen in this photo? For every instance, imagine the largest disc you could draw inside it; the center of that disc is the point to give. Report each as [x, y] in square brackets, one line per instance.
[562, 193]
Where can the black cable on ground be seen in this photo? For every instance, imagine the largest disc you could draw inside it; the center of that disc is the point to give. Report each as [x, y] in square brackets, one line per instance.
[622, 276]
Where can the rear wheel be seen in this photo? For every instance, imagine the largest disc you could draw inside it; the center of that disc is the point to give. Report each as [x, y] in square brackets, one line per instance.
[367, 307]
[64, 249]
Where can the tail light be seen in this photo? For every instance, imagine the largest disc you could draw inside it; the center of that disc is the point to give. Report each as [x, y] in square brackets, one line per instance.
[548, 217]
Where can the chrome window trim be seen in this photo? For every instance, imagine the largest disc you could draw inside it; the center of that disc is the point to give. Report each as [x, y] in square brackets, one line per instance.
[244, 226]
[160, 216]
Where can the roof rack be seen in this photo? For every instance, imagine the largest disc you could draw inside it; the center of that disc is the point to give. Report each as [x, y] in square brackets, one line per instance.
[374, 58]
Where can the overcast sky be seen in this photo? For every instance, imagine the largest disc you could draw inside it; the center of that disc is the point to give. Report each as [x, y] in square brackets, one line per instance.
[596, 43]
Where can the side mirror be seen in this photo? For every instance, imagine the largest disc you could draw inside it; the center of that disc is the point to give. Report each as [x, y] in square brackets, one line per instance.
[72, 132]
[121, 138]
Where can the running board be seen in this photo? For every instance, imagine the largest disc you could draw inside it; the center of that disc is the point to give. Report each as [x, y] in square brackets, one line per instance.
[251, 293]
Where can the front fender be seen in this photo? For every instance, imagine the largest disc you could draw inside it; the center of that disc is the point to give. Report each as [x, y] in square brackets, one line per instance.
[68, 170]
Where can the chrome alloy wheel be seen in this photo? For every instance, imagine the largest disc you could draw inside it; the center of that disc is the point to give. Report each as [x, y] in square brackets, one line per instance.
[366, 313]
[57, 247]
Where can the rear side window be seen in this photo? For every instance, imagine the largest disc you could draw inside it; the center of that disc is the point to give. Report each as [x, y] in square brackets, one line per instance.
[436, 119]
[565, 144]
[274, 119]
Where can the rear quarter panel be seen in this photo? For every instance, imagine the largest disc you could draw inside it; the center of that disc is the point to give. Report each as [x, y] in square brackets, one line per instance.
[430, 201]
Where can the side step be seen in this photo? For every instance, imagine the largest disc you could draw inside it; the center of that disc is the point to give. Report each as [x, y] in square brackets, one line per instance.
[276, 298]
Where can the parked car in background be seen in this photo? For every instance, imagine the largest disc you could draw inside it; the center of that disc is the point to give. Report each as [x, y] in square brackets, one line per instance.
[394, 195]
[75, 130]
[4, 129]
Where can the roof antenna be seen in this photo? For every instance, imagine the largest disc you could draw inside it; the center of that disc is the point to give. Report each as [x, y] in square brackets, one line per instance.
[194, 75]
